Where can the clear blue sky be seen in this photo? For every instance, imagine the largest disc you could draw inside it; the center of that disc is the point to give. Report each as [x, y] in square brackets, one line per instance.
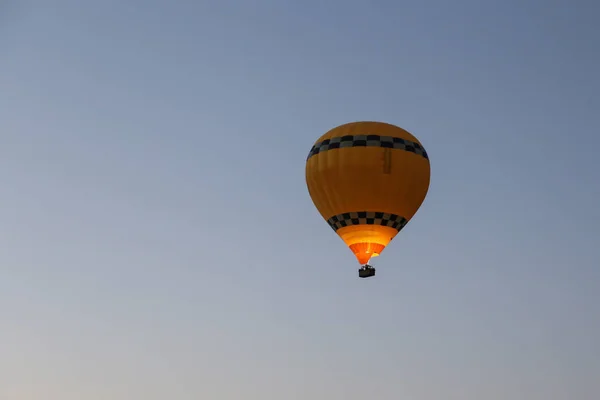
[157, 240]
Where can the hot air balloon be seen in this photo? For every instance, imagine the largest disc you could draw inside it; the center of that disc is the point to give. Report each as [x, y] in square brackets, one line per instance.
[367, 180]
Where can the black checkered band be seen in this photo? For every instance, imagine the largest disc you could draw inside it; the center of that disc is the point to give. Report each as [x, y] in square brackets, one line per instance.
[389, 142]
[367, 218]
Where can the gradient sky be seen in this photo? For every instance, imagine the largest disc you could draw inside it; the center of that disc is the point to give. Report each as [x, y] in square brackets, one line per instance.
[158, 241]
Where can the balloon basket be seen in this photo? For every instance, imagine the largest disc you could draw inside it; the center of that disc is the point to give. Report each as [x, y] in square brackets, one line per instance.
[366, 271]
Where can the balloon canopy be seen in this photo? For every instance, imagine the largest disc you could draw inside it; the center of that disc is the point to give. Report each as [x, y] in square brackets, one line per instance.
[367, 180]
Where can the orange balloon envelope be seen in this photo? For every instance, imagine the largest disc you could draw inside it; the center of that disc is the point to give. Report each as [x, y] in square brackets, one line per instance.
[367, 180]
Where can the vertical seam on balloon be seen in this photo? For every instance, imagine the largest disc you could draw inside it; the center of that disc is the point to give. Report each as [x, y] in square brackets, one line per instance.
[387, 161]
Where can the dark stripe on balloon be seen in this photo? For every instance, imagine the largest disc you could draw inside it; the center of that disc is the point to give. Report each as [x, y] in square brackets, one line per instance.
[367, 218]
[388, 142]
